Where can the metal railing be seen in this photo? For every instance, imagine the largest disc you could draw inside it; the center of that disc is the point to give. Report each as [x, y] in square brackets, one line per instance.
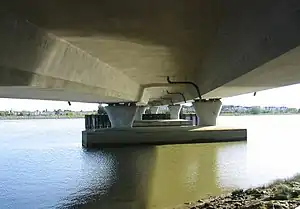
[192, 117]
[93, 122]
[156, 116]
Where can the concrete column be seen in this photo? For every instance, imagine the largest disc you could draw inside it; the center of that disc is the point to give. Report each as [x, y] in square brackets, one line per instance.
[154, 109]
[208, 111]
[139, 113]
[121, 116]
[175, 111]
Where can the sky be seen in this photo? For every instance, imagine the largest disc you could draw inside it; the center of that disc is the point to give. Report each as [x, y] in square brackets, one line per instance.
[288, 96]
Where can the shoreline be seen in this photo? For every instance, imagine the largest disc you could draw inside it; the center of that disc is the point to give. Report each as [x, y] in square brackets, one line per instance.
[39, 117]
[262, 114]
[281, 194]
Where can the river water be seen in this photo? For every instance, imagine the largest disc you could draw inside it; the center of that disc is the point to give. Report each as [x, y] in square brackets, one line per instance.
[42, 165]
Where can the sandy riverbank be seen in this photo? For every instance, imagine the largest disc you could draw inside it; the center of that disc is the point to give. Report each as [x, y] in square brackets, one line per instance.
[281, 194]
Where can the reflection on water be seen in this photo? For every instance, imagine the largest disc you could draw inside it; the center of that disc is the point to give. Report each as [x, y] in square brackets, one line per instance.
[140, 177]
[42, 165]
[123, 184]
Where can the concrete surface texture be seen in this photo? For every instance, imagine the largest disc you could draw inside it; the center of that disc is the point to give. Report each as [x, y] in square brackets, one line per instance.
[208, 111]
[163, 135]
[113, 50]
[154, 109]
[174, 111]
[121, 116]
[139, 113]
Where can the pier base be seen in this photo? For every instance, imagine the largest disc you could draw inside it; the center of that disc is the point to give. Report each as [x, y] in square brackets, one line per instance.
[161, 135]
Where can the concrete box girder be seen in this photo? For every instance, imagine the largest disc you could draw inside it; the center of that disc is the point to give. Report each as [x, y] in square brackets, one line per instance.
[122, 46]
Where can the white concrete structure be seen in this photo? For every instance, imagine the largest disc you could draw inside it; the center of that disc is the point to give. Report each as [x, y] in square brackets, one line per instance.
[163, 135]
[139, 113]
[122, 51]
[121, 116]
[116, 51]
[208, 111]
[175, 111]
[154, 109]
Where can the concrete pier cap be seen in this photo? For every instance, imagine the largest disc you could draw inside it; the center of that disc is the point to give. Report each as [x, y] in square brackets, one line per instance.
[139, 113]
[121, 115]
[175, 111]
[154, 109]
[208, 111]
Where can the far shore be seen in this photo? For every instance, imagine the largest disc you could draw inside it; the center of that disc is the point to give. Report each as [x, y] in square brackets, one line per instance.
[40, 117]
[245, 114]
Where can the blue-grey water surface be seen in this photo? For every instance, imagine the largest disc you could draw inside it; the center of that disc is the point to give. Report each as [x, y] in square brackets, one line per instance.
[42, 165]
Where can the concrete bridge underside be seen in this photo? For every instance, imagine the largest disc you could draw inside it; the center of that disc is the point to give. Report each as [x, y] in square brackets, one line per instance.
[113, 50]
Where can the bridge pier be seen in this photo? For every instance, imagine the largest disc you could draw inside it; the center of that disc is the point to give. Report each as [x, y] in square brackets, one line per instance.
[121, 115]
[174, 111]
[208, 111]
[139, 113]
[154, 109]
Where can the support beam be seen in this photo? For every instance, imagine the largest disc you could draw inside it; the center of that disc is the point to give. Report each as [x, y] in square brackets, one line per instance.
[174, 111]
[139, 113]
[154, 109]
[121, 116]
[208, 111]
[34, 61]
